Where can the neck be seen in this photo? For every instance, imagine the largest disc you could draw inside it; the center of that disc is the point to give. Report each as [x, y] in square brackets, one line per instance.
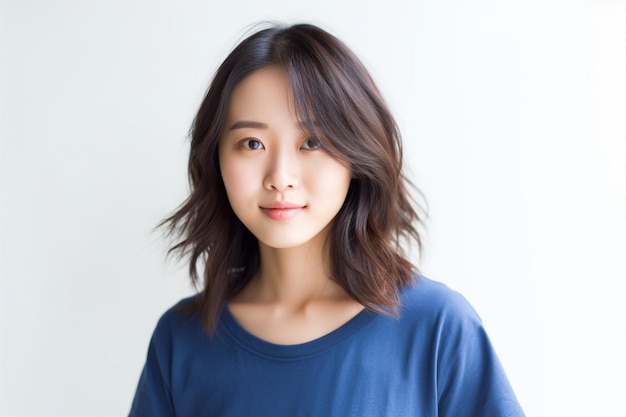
[292, 277]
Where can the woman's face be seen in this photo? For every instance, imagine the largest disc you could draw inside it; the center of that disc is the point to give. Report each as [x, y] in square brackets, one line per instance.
[282, 185]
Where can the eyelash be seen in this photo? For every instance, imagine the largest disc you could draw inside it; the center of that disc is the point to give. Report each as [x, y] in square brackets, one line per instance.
[317, 144]
[246, 144]
[309, 144]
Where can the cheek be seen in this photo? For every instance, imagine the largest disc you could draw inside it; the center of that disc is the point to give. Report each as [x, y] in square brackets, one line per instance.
[237, 180]
[331, 179]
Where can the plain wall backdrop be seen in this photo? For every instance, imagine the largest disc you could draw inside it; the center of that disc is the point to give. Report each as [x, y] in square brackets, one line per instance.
[512, 113]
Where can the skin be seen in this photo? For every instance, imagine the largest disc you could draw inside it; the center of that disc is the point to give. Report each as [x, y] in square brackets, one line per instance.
[286, 189]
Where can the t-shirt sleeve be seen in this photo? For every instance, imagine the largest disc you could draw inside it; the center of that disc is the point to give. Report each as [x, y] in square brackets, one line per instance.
[470, 378]
[153, 396]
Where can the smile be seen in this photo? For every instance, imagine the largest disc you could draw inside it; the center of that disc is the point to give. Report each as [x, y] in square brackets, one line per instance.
[282, 211]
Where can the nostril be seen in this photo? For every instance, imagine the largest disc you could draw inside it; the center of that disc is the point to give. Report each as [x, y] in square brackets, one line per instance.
[280, 182]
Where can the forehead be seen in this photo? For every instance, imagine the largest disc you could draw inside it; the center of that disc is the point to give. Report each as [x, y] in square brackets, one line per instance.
[262, 93]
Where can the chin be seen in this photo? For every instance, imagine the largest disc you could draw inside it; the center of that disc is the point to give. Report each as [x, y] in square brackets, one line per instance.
[282, 243]
[286, 240]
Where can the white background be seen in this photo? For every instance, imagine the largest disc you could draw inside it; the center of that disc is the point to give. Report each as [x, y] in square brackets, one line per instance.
[512, 112]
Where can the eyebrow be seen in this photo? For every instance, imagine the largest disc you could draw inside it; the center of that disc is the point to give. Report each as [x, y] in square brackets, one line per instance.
[248, 124]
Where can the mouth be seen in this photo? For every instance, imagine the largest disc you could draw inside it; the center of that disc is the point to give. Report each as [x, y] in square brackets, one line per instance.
[282, 211]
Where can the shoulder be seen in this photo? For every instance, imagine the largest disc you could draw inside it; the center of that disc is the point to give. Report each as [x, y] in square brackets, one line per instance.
[468, 373]
[431, 299]
[433, 310]
[182, 317]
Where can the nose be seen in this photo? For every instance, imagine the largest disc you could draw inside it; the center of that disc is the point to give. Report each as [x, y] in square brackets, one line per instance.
[282, 172]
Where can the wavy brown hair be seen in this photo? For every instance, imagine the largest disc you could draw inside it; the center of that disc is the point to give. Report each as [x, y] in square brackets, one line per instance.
[339, 103]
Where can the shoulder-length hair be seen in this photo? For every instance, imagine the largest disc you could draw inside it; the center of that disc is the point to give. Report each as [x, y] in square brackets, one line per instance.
[339, 103]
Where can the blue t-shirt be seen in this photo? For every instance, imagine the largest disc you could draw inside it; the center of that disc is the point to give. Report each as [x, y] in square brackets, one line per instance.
[434, 360]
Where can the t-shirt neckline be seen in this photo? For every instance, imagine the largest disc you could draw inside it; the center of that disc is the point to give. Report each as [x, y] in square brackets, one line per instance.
[264, 348]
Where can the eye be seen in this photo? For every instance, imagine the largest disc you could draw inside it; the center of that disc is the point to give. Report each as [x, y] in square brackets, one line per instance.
[251, 144]
[311, 144]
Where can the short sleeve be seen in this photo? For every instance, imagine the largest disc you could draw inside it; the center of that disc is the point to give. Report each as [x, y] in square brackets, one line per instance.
[153, 396]
[471, 380]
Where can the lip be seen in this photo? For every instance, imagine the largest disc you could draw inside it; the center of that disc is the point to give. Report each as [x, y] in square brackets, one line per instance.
[281, 205]
[282, 210]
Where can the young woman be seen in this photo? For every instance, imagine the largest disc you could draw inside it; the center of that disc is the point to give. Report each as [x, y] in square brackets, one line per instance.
[297, 214]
